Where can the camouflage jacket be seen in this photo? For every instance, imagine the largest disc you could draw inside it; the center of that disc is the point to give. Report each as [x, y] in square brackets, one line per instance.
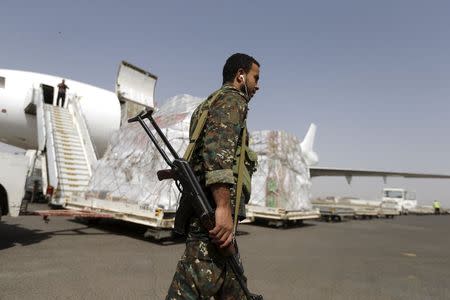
[214, 155]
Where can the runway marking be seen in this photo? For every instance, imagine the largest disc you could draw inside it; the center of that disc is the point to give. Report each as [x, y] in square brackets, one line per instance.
[409, 254]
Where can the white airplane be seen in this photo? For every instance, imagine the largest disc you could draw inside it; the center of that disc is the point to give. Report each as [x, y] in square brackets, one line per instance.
[103, 112]
[100, 107]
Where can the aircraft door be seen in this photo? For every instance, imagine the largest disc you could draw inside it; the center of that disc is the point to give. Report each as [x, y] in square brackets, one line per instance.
[4, 210]
[48, 92]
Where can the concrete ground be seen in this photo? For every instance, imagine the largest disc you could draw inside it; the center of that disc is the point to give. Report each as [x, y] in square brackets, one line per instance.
[404, 258]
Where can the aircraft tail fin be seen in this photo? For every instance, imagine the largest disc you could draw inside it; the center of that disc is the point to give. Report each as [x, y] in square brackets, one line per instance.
[307, 144]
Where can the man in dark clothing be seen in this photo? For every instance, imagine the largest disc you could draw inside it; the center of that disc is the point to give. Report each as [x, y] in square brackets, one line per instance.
[62, 87]
[202, 271]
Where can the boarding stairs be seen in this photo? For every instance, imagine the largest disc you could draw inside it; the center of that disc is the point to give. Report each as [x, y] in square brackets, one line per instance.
[69, 151]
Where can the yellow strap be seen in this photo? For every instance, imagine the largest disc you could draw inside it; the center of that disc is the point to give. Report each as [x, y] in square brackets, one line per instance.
[198, 129]
[241, 166]
[195, 135]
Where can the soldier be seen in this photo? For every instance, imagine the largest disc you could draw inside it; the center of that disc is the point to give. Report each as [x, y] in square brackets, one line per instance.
[62, 87]
[202, 271]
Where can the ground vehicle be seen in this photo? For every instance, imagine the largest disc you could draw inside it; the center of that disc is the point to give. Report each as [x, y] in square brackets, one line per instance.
[404, 200]
[13, 173]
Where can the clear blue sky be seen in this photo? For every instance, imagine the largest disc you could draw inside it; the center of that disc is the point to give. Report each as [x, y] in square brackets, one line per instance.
[373, 75]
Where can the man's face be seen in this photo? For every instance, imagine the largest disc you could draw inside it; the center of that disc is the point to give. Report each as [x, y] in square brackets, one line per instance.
[251, 80]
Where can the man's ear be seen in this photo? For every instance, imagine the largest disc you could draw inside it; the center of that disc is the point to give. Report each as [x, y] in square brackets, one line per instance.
[240, 75]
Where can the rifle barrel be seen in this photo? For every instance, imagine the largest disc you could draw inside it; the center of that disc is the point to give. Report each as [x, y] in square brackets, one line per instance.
[161, 134]
[153, 138]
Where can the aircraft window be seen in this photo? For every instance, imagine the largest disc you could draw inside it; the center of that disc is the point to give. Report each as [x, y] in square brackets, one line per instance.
[393, 194]
[2, 82]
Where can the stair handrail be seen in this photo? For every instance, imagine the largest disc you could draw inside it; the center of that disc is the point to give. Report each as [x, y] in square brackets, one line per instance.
[89, 145]
[38, 100]
[53, 170]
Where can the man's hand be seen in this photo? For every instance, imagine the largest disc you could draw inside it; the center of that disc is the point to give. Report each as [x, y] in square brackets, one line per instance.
[222, 233]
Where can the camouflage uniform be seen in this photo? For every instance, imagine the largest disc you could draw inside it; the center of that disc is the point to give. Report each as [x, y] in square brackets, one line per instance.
[202, 271]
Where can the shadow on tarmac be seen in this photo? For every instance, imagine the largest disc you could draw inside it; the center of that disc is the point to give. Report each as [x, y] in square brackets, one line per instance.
[11, 235]
[136, 231]
[283, 226]
[129, 229]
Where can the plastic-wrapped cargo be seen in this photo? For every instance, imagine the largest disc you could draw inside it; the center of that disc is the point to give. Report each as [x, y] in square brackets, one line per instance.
[282, 179]
[127, 172]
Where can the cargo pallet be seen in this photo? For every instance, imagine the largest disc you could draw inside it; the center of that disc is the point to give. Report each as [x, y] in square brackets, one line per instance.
[159, 222]
[279, 217]
[334, 213]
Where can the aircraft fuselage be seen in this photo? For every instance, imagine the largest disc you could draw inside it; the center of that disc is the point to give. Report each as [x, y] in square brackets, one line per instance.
[100, 107]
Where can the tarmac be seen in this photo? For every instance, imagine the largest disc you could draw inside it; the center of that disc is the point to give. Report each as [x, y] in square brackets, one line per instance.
[402, 258]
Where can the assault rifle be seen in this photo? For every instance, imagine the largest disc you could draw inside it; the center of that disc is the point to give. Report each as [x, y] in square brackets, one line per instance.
[187, 184]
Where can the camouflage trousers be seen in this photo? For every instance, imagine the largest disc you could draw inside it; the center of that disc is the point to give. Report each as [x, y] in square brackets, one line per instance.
[203, 273]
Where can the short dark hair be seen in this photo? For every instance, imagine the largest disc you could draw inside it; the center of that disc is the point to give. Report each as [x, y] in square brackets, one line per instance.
[234, 63]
